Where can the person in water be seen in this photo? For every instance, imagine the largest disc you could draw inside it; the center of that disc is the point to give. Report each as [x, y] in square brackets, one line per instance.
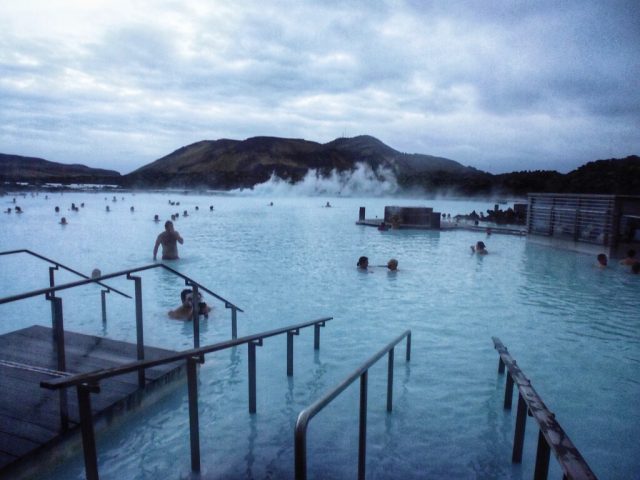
[169, 240]
[479, 248]
[602, 260]
[185, 311]
[630, 258]
[392, 265]
[363, 264]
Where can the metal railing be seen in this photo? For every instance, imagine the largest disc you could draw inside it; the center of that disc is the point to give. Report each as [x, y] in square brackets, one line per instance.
[87, 383]
[551, 436]
[57, 318]
[57, 326]
[57, 265]
[362, 373]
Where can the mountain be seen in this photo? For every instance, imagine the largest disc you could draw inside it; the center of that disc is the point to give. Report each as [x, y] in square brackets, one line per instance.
[228, 164]
[15, 168]
[614, 176]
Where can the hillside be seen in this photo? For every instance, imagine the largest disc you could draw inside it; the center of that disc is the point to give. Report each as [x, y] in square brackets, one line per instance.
[229, 164]
[15, 168]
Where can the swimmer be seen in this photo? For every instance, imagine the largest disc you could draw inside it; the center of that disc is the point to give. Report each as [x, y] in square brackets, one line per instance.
[392, 265]
[107, 209]
[185, 311]
[8, 210]
[63, 221]
[132, 209]
[363, 264]
[96, 273]
[169, 240]
[328, 205]
[602, 260]
[211, 208]
[635, 268]
[630, 259]
[156, 218]
[479, 248]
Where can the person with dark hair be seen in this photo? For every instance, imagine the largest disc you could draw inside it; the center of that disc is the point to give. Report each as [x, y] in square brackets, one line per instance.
[479, 248]
[169, 240]
[635, 268]
[602, 260]
[630, 258]
[392, 265]
[185, 311]
[363, 264]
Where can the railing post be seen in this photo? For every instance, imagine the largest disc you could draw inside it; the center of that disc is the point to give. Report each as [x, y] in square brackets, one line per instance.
[195, 309]
[362, 439]
[408, 347]
[234, 322]
[194, 424]
[61, 364]
[300, 447]
[252, 374]
[290, 335]
[500, 365]
[52, 281]
[390, 381]
[508, 392]
[542, 458]
[86, 426]
[103, 302]
[139, 325]
[521, 423]
[316, 334]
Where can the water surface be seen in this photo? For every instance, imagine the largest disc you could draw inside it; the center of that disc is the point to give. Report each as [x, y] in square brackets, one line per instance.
[574, 330]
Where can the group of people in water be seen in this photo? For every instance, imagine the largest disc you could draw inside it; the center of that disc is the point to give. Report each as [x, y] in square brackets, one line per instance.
[630, 261]
[363, 265]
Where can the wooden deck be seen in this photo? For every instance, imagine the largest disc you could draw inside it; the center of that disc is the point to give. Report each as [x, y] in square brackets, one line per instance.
[29, 414]
[517, 230]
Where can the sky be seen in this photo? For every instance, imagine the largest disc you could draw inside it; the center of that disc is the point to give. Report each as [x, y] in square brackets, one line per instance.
[503, 85]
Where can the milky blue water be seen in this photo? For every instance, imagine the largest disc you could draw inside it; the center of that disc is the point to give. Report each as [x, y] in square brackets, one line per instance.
[574, 330]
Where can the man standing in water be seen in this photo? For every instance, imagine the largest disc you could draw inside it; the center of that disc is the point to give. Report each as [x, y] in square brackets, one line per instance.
[169, 240]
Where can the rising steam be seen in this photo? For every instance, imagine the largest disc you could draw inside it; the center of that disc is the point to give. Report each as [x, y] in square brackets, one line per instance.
[363, 181]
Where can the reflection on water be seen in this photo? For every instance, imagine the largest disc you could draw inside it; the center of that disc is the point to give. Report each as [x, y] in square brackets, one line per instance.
[573, 328]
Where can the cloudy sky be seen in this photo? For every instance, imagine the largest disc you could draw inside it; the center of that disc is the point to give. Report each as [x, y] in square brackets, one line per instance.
[500, 85]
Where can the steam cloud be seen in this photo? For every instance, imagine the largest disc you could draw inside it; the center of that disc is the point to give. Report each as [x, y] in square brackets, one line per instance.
[363, 181]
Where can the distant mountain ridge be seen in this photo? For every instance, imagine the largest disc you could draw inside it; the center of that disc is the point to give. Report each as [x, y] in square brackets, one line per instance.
[229, 164]
[15, 168]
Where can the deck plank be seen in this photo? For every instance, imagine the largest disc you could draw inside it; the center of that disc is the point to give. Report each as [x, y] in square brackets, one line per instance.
[30, 415]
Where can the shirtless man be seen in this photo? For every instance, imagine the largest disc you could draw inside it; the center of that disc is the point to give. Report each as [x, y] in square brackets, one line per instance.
[169, 240]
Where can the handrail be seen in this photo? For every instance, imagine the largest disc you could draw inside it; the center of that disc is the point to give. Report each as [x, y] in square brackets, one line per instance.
[551, 435]
[93, 378]
[49, 290]
[58, 264]
[361, 372]
[87, 383]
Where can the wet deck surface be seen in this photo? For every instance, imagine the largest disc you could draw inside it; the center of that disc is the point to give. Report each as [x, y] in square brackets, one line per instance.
[30, 415]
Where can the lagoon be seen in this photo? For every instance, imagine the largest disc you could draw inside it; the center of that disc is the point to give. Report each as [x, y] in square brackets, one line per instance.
[574, 330]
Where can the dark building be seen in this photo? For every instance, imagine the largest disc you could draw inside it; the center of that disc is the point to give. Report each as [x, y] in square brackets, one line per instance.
[586, 223]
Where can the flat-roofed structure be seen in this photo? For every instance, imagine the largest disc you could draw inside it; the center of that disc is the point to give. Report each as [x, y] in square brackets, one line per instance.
[586, 223]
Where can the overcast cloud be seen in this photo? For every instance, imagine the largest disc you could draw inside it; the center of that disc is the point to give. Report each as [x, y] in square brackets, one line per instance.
[498, 85]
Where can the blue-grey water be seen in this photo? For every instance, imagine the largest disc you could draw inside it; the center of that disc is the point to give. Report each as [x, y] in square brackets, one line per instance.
[574, 329]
